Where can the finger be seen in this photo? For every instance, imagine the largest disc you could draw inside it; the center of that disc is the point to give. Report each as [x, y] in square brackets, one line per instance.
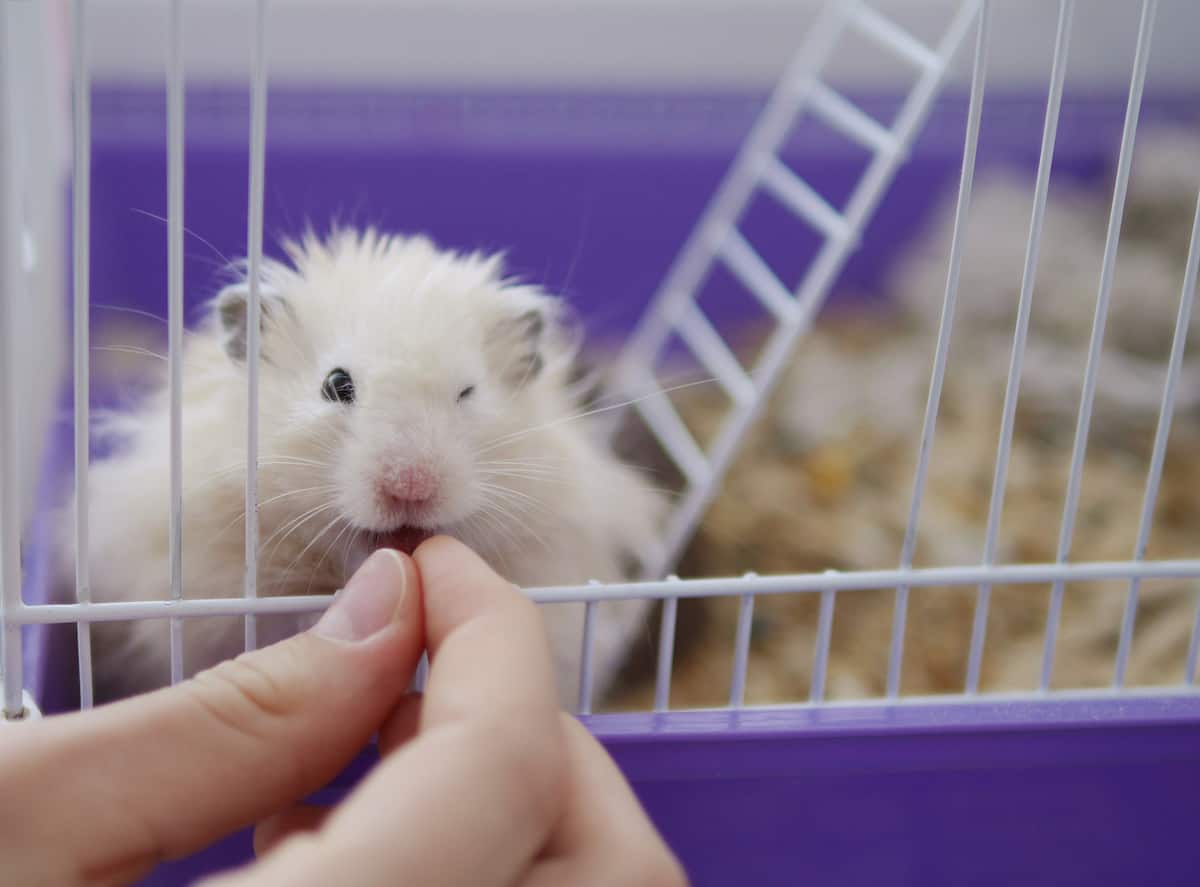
[473, 798]
[402, 724]
[167, 773]
[285, 824]
[489, 655]
[604, 836]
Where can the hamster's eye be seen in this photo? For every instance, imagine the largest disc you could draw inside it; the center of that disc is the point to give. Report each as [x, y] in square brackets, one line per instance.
[465, 393]
[338, 387]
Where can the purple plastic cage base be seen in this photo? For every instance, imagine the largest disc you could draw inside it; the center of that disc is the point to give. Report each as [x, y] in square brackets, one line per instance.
[1037, 792]
[1054, 792]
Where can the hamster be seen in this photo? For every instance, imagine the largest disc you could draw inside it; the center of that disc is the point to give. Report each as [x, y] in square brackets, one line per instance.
[404, 390]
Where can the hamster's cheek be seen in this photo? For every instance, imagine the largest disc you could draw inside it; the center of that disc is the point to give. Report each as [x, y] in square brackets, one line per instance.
[461, 496]
[352, 475]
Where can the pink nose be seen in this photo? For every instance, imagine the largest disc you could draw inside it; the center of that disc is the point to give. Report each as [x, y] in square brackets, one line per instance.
[411, 485]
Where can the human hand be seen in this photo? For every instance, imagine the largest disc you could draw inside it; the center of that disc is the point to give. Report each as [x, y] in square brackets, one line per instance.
[483, 781]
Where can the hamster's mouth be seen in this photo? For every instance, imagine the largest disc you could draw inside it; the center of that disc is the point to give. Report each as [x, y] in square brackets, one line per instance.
[405, 538]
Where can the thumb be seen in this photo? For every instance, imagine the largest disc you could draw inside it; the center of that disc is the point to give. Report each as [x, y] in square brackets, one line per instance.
[167, 773]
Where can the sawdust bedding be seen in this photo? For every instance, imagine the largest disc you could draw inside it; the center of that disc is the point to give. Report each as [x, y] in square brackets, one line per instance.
[824, 480]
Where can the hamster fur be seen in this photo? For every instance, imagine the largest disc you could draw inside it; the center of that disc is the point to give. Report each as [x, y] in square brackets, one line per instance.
[404, 390]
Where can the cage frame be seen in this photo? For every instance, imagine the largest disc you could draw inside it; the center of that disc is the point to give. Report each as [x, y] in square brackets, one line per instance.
[1042, 725]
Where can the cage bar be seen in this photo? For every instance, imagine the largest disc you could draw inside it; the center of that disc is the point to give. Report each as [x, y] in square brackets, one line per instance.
[1161, 436]
[254, 240]
[81, 215]
[666, 651]
[816, 692]
[796, 583]
[741, 651]
[1193, 652]
[929, 426]
[1058, 71]
[10, 525]
[12, 705]
[175, 110]
[586, 654]
[1091, 371]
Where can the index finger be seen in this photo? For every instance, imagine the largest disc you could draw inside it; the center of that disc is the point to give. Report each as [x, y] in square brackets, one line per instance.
[489, 655]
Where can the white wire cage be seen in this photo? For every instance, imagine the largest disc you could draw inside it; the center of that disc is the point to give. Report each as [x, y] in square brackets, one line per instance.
[675, 314]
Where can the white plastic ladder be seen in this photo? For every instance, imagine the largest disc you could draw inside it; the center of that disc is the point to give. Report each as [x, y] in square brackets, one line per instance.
[674, 310]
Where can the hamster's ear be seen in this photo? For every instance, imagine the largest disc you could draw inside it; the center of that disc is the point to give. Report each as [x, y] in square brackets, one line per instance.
[515, 346]
[232, 307]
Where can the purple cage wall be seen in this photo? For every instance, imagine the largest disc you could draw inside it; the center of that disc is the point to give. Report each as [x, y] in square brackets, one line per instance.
[592, 195]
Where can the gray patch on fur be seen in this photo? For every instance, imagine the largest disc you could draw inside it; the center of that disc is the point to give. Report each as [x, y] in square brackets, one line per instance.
[522, 334]
[232, 306]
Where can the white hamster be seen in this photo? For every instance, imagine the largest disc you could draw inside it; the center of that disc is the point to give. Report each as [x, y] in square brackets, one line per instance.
[404, 390]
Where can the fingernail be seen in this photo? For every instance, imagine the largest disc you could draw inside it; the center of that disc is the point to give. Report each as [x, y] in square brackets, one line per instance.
[370, 601]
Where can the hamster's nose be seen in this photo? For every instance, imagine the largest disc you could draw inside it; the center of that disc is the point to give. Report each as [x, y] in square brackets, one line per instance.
[410, 485]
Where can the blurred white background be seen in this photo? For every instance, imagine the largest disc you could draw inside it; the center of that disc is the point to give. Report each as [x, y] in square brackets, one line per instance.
[652, 44]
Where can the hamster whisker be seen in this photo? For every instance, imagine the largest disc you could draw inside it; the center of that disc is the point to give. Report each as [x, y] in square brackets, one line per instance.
[497, 478]
[322, 488]
[305, 550]
[531, 467]
[496, 527]
[139, 351]
[504, 479]
[282, 534]
[481, 539]
[240, 517]
[240, 469]
[282, 575]
[124, 309]
[347, 541]
[523, 464]
[186, 230]
[522, 474]
[287, 494]
[328, 549]
[549, 466]
[514, 496]
[511, 514]
[555, 422]
[131, 349]
[674, 495]
[531, 473]
[321, 438]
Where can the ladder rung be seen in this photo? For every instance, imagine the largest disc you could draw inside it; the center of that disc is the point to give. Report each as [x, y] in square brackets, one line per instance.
[799, 196]
[874, 23]
[710, 348]
[755, 274]
[850, 120]
[658, 412]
